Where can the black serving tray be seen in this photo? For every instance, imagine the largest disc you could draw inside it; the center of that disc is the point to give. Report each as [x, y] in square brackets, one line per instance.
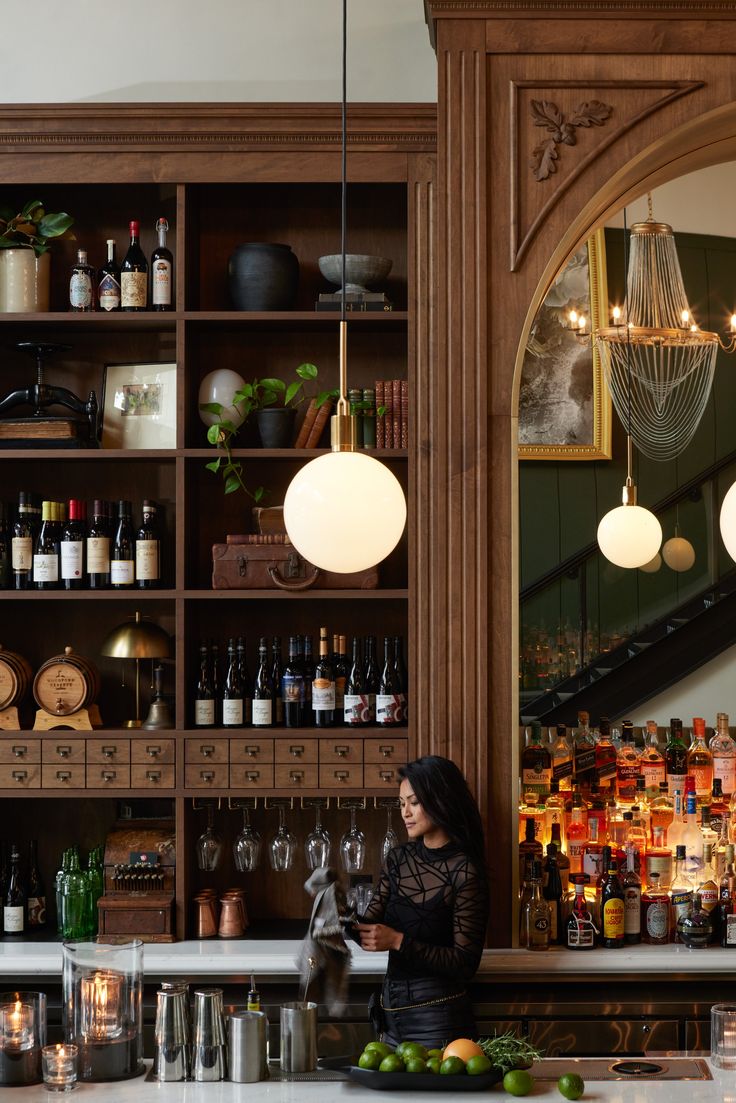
[423, 1081]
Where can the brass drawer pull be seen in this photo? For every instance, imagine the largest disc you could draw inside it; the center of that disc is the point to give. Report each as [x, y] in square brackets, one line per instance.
[63, 775]
[296, 776]
[20, 775]
[296, 750]
[109, 775]
[341, 750]
[252, 750]
[387, 749]
[19, 751]
[152, 750]
[341, 775]
[207, 775]
[153, 775]
[206, 749]
[252, 775]
[108, 752]
[63, 751]
[386, 775]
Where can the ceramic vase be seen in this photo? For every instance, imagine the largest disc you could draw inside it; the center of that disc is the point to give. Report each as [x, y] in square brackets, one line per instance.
[263, 276]
[24, 281]
[276, 426]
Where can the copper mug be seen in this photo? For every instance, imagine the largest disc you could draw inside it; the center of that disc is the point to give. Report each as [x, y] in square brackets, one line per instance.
[240, 894]
[206, 921]
[231, 918]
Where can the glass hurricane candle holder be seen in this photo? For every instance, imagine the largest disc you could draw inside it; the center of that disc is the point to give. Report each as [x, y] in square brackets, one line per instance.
[59, 1064]
[723, 1035]
[22, 1036]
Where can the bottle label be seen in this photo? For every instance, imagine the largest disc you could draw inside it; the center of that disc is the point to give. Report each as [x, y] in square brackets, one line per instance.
[146, 560]
[536, 780]
[562, 769]
[627, 773]
[682, 904]
[632, 915]
[262, 713]
[133, 289]
[36, 908]
[204, 713]
[122, 572]
[13, 919]
[581, 935]
[542, 923]
[80, 290]
[613, 918]
[161, 282]
[606, 765]
[71, 558]
[658, 919]
[356, 708]
[323, 694]
[661, 864]
[708, 897]
[584, 762]
[592, 862]
[22, 553]
[232, 713]
[653, 773]
[388, 708]
[731, 930]
[724, 768]
[45, 568]
[293, 691]
[98, 555]
[108, 292]
[575, 851]
[675, 781]
[703, 776]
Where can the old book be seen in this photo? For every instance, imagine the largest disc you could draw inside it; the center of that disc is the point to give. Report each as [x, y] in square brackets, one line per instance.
[404, 413]
[319, 423]
[257, 538]
[380, 418]
[396, 413]
[309, 419]
[356, 307]
[42, 428]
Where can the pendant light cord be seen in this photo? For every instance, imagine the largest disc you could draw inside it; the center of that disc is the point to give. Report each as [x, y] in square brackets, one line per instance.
[629, 447]
[342, 402]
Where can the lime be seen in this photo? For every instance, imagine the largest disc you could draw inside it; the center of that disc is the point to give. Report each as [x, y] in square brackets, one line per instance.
[378, 1047]
[413, 1049]
[392, 1063]
[401, 1047]
[369, 1059]
[415, 1064]
[433, 1064]
[478, 1065]
[452, 1066]
[571, 1085]
[518, 1082]
[434, 1053]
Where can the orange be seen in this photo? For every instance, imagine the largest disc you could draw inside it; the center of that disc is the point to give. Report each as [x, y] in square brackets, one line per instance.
[462, 1048]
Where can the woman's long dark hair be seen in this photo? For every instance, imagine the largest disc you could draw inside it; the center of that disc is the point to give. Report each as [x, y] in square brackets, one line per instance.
[443, 793]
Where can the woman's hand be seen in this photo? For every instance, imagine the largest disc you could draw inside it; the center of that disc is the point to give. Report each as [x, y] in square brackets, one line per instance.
[376, 936]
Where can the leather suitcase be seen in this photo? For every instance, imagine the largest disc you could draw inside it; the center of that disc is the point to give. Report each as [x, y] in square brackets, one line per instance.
[278, 566]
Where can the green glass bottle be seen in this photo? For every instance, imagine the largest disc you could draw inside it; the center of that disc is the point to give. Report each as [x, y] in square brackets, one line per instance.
[74, 892]
[58, 884]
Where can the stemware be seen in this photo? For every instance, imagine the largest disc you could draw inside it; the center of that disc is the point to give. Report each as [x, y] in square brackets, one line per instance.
[390, 839]
[247, 846]
[209, 844]
[318, 844]
[352, 847]
[282, 847]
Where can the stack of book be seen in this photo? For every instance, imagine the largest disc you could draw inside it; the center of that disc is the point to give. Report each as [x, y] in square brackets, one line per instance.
[354, 300]
[392, 426]
[315, 419]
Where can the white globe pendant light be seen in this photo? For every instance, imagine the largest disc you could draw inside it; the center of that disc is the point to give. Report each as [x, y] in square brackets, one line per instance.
[728, 521]
[629, 536]
[653, 565]
[678, 553]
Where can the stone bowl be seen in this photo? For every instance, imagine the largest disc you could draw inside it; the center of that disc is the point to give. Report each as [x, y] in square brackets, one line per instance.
[361, 270]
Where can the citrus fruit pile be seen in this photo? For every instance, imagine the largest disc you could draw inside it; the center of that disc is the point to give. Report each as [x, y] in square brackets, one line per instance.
[460, 1058]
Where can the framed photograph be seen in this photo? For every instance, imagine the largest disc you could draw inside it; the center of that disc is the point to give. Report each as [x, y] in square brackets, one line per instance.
[139, 406]
[564, 403]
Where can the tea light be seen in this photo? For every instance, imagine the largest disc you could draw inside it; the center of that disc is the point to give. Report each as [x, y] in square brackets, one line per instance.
[101, 1006]
[59, 1067]
[16, 1026]
[22, 1032]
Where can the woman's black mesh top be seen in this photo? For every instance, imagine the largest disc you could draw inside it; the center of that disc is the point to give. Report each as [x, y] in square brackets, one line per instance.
[438, 899]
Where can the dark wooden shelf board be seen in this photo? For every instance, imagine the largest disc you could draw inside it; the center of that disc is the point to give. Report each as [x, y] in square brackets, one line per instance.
[297, 319]
[367, 732]
[291, 453]
[277, 595]
[114, 320]
[157, 455]
[132, 594]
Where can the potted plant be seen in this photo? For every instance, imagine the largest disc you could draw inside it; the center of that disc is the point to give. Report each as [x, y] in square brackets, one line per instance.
[24, 257]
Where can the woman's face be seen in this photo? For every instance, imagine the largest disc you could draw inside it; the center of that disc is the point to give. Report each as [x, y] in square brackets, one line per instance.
[416, 820]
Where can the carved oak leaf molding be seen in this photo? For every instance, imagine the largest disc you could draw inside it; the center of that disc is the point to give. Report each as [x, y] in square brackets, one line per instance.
[547, 114]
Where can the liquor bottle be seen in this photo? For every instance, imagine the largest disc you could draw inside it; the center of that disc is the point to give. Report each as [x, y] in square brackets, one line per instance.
[388, 699]
[536, 763]
[339, 667]
[662, 809]
[632, 900]
[536, 912]
[134, 274]
[263, 689]
[605, 755]
[655, 913]
[554, 813]
[292, 687]
[531, 809]
[593, 854]
[643, 804]
[612, 910]
[708, 888]
[563, 862]
[46, 555]
[162, 270]
[723, 749]
[577, 833]
[276, 672]
[204, 698]
[727, 902]
[14, 900]
[562, 760]
[584, 753]
[627, 766]
[71, 546]
[402, 677]
[675, 758]
[552, 892]
[700, 762]
[81, 284]
[232, 694]
[598, 810]
[579, 928]
[355, 704]
[681, 891]
[245, 683]
[21, 545]
[651, 761]
[371, 676]
[658, 859]
[693, 840]
[36, 899]
[122, 560]
[718, 805]
[706, 828]
[637, 834]
[98, 548]
[148, 550]
[5, 561]
[696, 929]
[108, 286]
[676, 831]
[308, 662]
[529, 849]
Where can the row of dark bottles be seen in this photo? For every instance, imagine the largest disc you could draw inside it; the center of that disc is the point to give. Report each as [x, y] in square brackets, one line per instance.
[125, 286]
[22, 892]
[330, 689]
[56, 546]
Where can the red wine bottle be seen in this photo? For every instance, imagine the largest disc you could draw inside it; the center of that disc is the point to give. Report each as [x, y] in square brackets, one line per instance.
[162, 271]
[323, 686]
[21, 545]
[71, 546]
[98, 548]
[134, 274]
[148, 550]
[122, 563]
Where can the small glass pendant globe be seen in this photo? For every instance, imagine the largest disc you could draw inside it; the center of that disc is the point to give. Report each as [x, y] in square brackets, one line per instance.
[344, 511]
[653, 565]
[728, 521]
[679, 554]
[629, 536]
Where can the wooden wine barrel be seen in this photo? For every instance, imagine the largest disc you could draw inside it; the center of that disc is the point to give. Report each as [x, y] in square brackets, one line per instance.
[66, 683]
[16, 675]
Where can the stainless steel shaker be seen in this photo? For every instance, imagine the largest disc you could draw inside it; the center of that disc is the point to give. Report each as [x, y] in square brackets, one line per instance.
[171, 1057]
[247, 1056]
[299, 1036]
[209, 1057]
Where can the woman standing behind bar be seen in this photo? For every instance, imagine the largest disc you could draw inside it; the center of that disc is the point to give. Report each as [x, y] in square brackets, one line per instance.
[430, 909]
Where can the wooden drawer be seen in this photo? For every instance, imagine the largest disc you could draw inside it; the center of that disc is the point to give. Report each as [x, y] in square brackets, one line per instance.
[20, 750]
[60, 749]
[206, 776]
[379, 774]
[152, 775]
[296, 775]
[108, 752]
[206, 750]
[340, 775]
[108, 776]
[386, 750]
[152, 750]
[63, 775]
[340, 750]
[21, 776]
[296, 750]
[251, 775]
[250, 751]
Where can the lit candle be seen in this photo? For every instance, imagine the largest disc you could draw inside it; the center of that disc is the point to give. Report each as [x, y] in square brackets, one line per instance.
[59, 1067]
[582, 323]
[733, 323]
[101, 1006]
[616, 315]
[685, 318]
[573, 316]
[16, 1026]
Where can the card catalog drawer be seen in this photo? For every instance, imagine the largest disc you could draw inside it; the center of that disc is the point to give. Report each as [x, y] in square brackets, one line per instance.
[59, 749]
[377, 775]
[108, 777]
[296, 775]
[212, 776]
[22, 776]
[152, 776]
[386, 750]
[340, 776]
[206, 750]
[63, 775]
[20, 750]
[251, 775]
[152, 750]
[296, 750]
[108, 751]
[246, 751]
[340, 750]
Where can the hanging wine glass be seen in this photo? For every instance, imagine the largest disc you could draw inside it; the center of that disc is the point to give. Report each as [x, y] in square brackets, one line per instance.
[318, 844]
[209, 844]
[390, 839]
[282, 846]
[247, 846]
[352, 847]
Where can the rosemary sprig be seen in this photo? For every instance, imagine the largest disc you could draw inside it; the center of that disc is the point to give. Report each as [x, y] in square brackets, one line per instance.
[508, 1051]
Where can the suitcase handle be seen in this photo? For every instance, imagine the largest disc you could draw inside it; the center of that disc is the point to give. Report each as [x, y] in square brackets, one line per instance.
[287, 584]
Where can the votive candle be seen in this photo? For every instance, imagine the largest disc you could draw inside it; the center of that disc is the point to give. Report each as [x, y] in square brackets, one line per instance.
[59, 1063]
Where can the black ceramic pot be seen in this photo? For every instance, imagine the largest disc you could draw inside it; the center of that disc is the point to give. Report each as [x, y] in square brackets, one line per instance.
[276, 426]
[263, 276]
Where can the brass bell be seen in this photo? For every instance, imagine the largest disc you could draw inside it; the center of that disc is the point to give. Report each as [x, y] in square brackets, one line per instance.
[159, 714]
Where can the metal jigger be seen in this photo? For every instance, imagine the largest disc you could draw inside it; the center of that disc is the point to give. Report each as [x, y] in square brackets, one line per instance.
[137, 640]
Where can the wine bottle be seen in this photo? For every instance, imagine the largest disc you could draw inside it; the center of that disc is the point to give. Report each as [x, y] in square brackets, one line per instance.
[308, 663]
[46, 555]
[263, 689]
[4, 550]
[148, 550]
[388, 699]
[276, 672]
[108, 286]
[216, 680]
[36, 901]
[14, 902]
[162, 270]
[81, 284]
[98, 548]
[232, 695]
[370, 679]
[71, 546]
[341, 673]
[402, 678]
[323, 686]
[134, 274]
[122, 563]
[355, 705]
[292, 687]
[245, 683]
[204, 698]
[21, 545]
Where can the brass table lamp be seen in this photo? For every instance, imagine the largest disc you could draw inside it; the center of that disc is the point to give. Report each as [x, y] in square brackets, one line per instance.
[138, 639]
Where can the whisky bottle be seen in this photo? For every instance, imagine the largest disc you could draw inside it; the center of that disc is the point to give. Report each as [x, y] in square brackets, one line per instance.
[700, 763]
[627, 766]
[562, 760]
[675, 758]
[554, 813]
[323, 686]
[651, 761]
[723, 749]
[204, 698]
[579, 928]
[632, 900]
[536, 912]
[658, 859]
[662, 809]
[605, 755]
[263, 689]
[529, 849]
[584, 753]
[536, 763]
[232, 694]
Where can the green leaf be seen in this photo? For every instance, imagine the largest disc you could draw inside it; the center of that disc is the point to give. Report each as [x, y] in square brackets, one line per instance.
[381, 411]
[276, 385]
[232, 484]
[53, 225]
[34, 207]
[230, 426]
[215, 434]
[291, 391]
[258, 493]
[307, 371]
[211, 407]
[269, 398]
[246, 391]
[214, 465]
